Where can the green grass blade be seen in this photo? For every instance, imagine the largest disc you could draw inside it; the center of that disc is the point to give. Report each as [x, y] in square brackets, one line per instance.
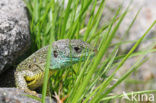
[44, 89]
[77, 82]
[67, 13]
[96, 18]
[130, 26]
[99, 75]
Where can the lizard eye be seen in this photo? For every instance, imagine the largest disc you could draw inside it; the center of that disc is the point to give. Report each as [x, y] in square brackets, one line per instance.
[77, 49]
[55, 54]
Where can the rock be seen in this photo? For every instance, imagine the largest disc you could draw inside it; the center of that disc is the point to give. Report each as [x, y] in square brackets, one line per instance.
[14, 31]
[13, 95]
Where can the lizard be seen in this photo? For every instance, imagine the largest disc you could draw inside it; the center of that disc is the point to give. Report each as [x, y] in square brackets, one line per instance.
[29, 73]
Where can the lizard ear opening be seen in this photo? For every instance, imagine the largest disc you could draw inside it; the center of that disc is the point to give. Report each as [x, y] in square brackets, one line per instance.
[55, 53]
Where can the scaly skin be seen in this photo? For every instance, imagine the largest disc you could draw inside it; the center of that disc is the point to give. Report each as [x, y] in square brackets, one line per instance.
[29, 73]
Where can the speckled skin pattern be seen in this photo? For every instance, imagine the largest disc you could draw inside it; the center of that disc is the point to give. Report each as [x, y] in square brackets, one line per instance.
[29, 73]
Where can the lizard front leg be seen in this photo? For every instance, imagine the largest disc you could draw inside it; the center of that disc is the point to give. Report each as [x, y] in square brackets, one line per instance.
[22, 78]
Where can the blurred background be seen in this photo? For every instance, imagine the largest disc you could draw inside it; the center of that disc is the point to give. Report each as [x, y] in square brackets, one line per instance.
[145, 77]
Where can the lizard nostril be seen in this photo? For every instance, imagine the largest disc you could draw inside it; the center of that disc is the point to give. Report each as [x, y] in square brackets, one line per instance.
[55, 54]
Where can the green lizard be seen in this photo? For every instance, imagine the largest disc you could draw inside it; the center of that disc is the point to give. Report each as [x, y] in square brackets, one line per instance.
[29, 73]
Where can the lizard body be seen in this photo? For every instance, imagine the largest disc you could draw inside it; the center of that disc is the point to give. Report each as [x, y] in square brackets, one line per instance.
[29, 73]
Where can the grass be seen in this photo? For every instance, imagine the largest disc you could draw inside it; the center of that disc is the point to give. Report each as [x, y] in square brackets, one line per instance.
[50, 21]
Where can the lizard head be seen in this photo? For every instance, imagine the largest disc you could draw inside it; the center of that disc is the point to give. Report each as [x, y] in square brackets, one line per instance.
[68, 52]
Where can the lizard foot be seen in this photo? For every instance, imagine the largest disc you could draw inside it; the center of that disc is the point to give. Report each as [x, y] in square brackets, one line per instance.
[34, 93]
[57, 97]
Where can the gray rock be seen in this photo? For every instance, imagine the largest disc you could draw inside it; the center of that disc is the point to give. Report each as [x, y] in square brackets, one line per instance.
[14, 31]
[13, 95]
